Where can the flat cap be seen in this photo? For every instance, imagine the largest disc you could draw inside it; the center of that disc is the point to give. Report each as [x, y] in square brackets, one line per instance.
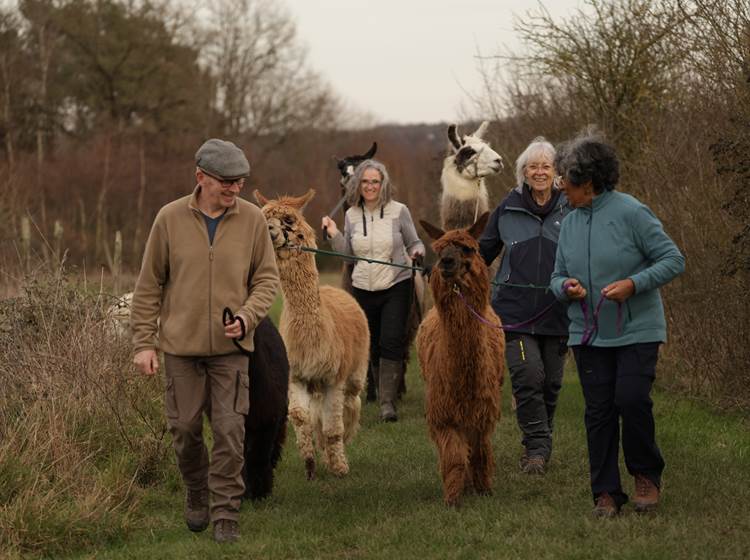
[222, 159]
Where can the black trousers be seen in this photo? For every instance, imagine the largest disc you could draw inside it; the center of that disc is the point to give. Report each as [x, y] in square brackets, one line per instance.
[617, 384]
[536, 366]
[387, 312]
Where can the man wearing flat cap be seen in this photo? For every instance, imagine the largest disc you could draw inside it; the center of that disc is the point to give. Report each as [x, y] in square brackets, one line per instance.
[206, 251]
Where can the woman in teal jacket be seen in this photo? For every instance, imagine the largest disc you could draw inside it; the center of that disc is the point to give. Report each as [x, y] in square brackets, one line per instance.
[612, 257]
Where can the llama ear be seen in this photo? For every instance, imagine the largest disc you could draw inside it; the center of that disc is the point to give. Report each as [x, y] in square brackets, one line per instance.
[454, 138]
[481, 130]
[262, 200]
[478, 228]
[305, 198]
[371, 151]
[433, 231]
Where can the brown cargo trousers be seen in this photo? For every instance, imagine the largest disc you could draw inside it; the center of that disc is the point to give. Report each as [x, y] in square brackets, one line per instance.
[220, 387]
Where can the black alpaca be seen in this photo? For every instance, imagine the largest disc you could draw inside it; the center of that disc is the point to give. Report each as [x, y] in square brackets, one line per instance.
[265, 425]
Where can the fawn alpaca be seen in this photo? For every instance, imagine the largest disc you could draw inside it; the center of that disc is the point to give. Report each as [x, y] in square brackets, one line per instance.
[326, 337]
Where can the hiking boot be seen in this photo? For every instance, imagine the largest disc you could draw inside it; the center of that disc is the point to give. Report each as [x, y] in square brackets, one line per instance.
[646, 494]
[524, 459]
[196, 510]
[534, 464]
[605, 507]
[226, 530]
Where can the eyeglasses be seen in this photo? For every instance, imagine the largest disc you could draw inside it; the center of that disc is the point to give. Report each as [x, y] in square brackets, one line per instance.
[226, 184]
[373, 182]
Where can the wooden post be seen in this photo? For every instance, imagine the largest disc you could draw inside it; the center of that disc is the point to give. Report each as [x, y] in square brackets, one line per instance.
[26, 243]
[57, 233]
[117, 263]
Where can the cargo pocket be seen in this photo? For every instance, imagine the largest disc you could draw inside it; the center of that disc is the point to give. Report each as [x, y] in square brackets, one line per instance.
[242, 393]
[170, 400]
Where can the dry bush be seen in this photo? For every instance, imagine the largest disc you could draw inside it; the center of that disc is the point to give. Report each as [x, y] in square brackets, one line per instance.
[80, 433]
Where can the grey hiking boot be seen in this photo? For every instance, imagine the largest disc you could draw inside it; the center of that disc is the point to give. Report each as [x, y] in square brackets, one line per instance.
[196, 510]
[226, 530]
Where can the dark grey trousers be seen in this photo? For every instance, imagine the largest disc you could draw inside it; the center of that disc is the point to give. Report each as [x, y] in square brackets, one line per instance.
[536, 365]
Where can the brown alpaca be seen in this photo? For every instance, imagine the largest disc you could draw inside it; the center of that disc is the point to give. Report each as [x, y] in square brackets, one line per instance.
[327, 340]
[462, 362]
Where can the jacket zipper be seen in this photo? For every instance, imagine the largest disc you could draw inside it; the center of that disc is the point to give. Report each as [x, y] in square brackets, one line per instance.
[210, 291]
[538, 266]
[590, 294]
[372, 248]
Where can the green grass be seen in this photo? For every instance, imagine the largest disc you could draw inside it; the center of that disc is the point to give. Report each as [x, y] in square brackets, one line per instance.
[390, 506]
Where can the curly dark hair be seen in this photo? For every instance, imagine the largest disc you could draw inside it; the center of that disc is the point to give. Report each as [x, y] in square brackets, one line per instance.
[586, 159]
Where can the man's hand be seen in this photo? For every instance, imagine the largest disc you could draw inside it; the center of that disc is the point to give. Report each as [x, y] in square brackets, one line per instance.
[233, 329]
[573, 289]
[619, 291]
[147, 362]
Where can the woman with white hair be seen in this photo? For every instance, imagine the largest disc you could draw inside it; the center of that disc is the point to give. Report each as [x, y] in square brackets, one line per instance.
[527, 225]
[377, 227]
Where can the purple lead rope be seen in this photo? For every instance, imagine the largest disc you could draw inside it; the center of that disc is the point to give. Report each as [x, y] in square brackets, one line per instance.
[503, 327]
[589, 330]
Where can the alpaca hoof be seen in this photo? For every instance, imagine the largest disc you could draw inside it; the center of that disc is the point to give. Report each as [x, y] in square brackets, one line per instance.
[484, 491]
[340, 470]
[453, 503]
[310, 469]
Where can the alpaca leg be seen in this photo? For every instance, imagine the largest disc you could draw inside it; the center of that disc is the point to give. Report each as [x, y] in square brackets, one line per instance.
[299, 413]
[260, 446]
[453, 451]
[482, 464]
[333, 430]
[353, 403]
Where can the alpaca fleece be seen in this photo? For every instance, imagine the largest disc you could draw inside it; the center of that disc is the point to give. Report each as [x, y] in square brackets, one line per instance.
[462, 365]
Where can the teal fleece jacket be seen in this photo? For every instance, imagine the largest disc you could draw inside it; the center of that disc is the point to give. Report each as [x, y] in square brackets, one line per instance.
[615, 238]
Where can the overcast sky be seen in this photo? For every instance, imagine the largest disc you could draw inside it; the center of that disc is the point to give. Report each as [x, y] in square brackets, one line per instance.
[408, 61]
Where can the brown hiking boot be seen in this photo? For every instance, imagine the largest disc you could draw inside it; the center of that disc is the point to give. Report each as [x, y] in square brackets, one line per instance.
[646, 494]
[524, 459]
[226, 531]
[196, 510]
[534, 464]
[605, 507]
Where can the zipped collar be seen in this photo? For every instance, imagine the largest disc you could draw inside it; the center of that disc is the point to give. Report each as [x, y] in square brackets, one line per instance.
[598, 202]
[193, 203]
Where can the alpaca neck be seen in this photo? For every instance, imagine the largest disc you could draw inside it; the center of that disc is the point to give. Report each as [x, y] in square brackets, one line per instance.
[455, 311]
[300, 285]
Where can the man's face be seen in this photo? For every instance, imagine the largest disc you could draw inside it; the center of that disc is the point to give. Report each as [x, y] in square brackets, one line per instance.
[218, 194]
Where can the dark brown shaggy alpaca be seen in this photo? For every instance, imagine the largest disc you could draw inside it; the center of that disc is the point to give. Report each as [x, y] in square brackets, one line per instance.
[462, 360]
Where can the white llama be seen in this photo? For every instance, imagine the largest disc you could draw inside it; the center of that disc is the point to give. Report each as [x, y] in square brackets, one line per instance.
[464, 197]
[327, 340]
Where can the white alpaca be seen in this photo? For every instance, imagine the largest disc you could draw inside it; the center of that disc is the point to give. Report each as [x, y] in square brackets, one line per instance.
[326, 337]
[464, 197]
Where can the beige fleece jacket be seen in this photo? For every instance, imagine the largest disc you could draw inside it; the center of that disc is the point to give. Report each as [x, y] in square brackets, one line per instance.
[186, 283]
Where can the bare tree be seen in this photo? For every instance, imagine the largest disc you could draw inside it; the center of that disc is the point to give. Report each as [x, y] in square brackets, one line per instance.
[264, 86]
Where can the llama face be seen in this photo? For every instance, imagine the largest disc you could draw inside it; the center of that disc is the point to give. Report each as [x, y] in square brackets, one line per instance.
[473, 156]
[286, 225]
[348, 164]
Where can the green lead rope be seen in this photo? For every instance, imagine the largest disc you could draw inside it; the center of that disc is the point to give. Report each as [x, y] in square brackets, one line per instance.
[408, 267]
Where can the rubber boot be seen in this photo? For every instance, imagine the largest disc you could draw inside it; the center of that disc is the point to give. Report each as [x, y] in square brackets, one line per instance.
[372, 382]
[388, 388]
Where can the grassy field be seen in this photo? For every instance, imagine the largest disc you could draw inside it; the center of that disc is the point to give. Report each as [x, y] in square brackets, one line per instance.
[390, 505]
